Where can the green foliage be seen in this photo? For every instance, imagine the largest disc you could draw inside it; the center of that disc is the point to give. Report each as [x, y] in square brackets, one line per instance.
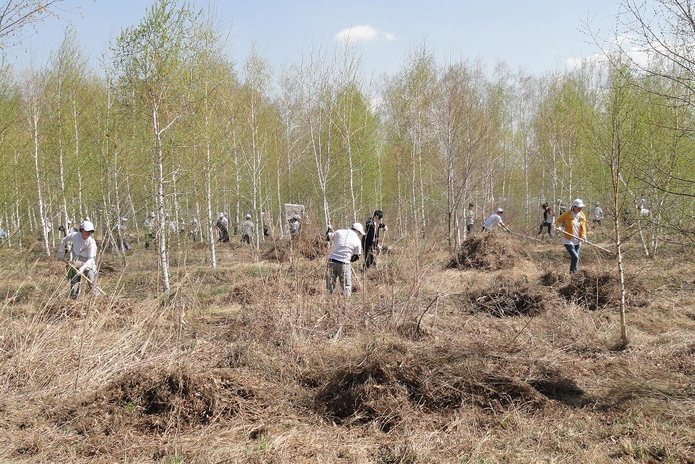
[435, 139]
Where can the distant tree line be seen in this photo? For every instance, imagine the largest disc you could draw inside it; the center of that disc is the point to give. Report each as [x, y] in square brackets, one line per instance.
[174, 126]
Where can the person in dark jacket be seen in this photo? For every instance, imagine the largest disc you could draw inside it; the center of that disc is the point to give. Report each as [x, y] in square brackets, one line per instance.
[370, 241]
[548, 219]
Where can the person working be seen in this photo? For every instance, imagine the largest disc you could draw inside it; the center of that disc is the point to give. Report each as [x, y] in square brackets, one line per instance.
[295, 225]
[347, 248]
[82, 260]
[548, 218]
[370, 241]
[247, 228]
[572, 224]
[222, 225]
[493, 220]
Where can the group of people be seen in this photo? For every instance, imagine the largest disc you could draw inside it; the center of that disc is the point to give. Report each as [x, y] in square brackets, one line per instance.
[571, 225]
[79, 249]
[347, 247]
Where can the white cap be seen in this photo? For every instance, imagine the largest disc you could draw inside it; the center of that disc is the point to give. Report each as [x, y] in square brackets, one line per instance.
[358, 227]
[248, 216]
[499, 210]
[87, 226]
[578, 203]
[296, 216]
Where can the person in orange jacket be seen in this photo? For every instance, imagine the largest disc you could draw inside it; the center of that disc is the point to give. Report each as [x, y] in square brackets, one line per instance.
[572, 224]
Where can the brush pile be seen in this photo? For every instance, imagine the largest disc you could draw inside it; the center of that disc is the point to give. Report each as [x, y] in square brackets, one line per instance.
[382, 386]
[489, 252]
[513, 298]
[596, 289]
[155, 399]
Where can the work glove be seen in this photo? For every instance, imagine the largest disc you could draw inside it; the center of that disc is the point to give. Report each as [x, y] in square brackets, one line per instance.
[385, 228]
[354, 258]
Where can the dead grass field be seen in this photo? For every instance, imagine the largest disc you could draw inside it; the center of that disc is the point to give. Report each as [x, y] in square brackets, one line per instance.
[494, 356]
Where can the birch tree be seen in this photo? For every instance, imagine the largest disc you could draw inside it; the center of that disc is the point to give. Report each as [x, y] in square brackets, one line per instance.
[215, 79]
[153, 60]
[34, 122]
[409, 99]
[255, 115]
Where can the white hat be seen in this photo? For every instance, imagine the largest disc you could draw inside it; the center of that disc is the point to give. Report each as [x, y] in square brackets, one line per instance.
[578, 203]
[358, 227]
[87, 226]
[248, 216]
[296, 216]
[499, 210]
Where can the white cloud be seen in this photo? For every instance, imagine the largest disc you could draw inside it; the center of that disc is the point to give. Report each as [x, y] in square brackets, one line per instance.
[362, 33]
[640, 57]
[579, 63]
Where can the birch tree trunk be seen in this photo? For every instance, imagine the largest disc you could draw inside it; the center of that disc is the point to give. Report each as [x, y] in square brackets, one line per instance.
[34, 121]
[160, 198]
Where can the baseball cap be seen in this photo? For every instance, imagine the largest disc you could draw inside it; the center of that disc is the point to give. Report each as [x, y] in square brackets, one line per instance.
[358, 227]
[87, 226]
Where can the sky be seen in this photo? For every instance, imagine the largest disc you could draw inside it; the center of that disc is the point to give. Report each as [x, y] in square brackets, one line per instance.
[533, 36]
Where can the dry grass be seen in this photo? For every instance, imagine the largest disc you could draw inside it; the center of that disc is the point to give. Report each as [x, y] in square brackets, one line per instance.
[507, 360]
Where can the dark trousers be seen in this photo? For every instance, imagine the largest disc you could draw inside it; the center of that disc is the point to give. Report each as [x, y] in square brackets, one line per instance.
[545, 225]
[369, 258]
[224, 234]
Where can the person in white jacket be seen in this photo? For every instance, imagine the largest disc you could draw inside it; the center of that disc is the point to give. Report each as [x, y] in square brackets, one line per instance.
[82, 259]
[347, 247]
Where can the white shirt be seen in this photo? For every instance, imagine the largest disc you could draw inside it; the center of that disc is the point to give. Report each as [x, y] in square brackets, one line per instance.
[492, 221]
[575, 230]
[346, 243]
[247, 227]
[82, 250]
[598, 213]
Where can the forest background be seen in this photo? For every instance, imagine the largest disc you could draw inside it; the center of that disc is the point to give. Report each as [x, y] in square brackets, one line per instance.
[454, 348]
[172, 125]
